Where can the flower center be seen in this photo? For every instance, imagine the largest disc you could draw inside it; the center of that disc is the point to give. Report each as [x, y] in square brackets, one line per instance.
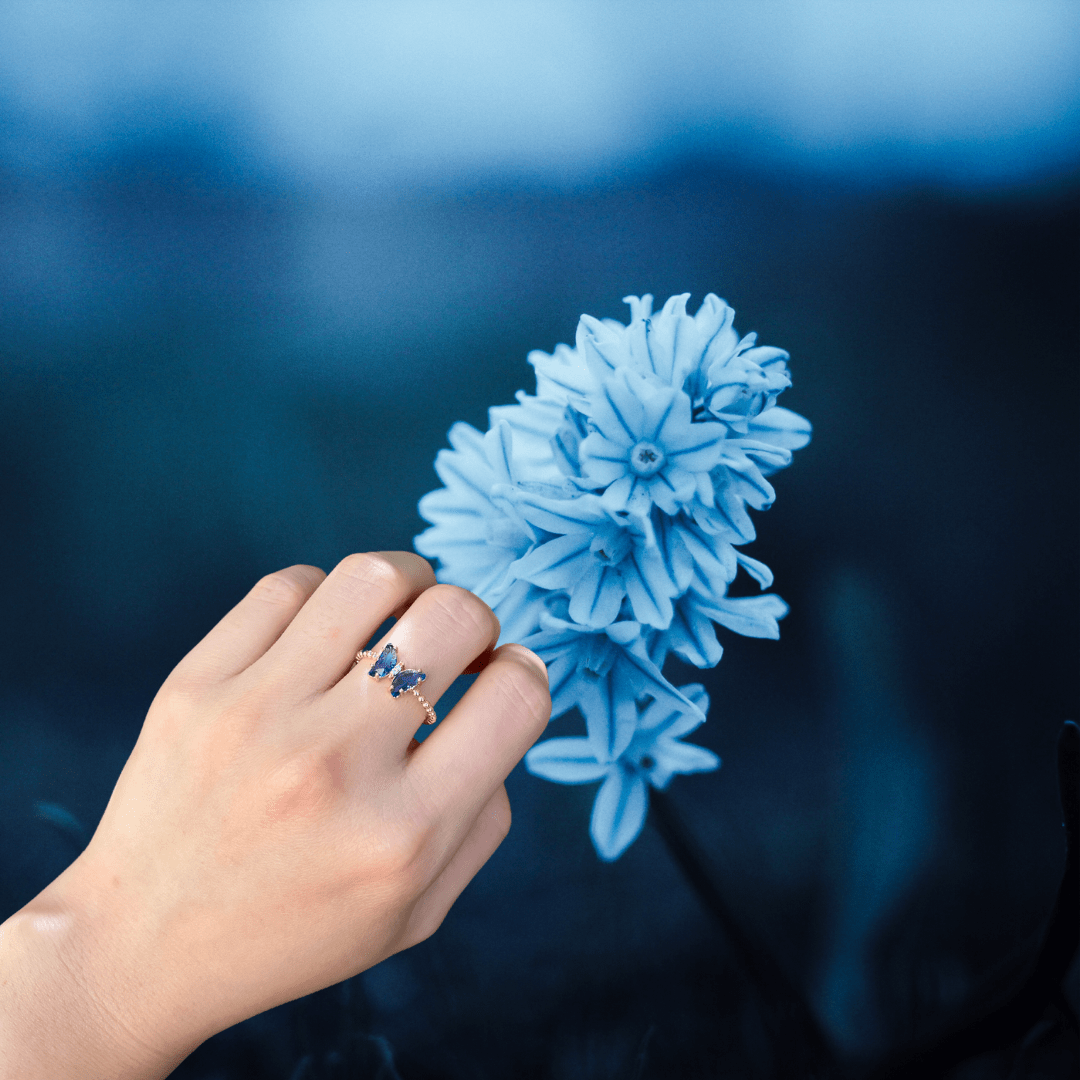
[646, 458]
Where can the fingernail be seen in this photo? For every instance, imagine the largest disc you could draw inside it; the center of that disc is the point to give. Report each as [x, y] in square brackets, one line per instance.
[532, 660]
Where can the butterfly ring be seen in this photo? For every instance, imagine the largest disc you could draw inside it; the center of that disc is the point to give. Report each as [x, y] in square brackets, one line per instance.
[402, 679]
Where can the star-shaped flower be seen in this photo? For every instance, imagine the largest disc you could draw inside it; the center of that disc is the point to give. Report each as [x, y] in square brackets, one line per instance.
[653, 756]
[604, 673]
[597, 558]
[643, 448]
[745, 382]
[475, 536]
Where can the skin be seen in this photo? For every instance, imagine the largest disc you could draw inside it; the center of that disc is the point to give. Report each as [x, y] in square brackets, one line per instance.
[277, 828]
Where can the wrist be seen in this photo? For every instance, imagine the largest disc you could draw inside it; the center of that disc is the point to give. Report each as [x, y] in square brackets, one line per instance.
[75, 997]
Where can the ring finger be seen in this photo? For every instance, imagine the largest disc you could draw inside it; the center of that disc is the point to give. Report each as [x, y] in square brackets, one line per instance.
[440, 635]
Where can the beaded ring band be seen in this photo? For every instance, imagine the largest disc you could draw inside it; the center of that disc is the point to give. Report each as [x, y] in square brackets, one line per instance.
[402, 679]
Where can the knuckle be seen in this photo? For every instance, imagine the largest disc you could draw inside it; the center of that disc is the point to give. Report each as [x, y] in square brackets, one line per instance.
[285, 588]
[179, 700]
[427, 927]
[501, 817]
[373, 570]
[182, 705]
[462, 612]
[303, 786]
[179, 691]
[424, 571]
[397, 862]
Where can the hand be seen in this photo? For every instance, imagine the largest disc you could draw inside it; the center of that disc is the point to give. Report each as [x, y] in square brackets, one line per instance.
[277, 828]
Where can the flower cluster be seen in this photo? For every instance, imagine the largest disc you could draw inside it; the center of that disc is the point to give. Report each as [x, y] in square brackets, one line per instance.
[602, 517]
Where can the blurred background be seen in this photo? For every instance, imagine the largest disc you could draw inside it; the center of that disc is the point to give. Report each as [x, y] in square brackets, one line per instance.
[253, 254]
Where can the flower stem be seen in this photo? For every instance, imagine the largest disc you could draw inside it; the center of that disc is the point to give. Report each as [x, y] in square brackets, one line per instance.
[785, 1006]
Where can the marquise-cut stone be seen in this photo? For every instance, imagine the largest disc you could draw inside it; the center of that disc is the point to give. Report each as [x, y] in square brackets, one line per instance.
[386, 662]
[406, 680]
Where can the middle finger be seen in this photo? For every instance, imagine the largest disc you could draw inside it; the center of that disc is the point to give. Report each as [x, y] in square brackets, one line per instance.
[355, 598]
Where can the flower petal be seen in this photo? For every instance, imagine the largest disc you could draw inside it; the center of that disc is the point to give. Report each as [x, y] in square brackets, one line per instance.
[556, 564]
[716, 520]
[638, 676]
[757, 570]
[667, 409]
[625, 720]
[560, 649]
[617, 410]
[745, 479]
[662, 334]
[640, 306]
[581, 514]
[532, 420]
[649, 587]
[765, 455]
[671, 488]
[610, 712]
[464, 437]
[715, 562]
[566, 761]
[518, 611]
[618, 813]
[562, 376]
[602, 346]
[751, 616]
[677, 557]
[697, 693]
[603, 459]
[617, 497]
[781, 427]
[718, 325]
[674, 757]
[696, 447]
[705, 491]
[731, 509]
[499, 452]
[595, 598]
[690, 636]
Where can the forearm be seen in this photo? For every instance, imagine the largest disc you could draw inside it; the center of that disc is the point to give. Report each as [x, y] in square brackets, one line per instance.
[60, 1001]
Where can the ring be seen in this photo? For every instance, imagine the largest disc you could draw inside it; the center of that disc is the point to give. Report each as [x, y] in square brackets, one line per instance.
[403, 678]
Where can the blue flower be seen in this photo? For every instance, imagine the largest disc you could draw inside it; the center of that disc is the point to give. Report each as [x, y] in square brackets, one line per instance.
[475, 534]
[532, 422]
[731, 378]
[602, 518]
[653, 755]
[642, 447]
[703, 599]
[605, 674]
[597, 558]
[745, 382]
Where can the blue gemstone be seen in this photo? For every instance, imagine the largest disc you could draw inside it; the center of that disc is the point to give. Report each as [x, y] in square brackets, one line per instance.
[386, 663]
[406, 680]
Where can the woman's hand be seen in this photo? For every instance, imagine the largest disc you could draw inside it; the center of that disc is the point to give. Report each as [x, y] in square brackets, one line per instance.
[276, 828]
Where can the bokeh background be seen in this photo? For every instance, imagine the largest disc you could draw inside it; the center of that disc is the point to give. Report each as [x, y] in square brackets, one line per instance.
[256, 258]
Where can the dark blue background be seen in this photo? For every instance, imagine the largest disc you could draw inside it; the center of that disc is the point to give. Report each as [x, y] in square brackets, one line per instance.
[211, 369]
